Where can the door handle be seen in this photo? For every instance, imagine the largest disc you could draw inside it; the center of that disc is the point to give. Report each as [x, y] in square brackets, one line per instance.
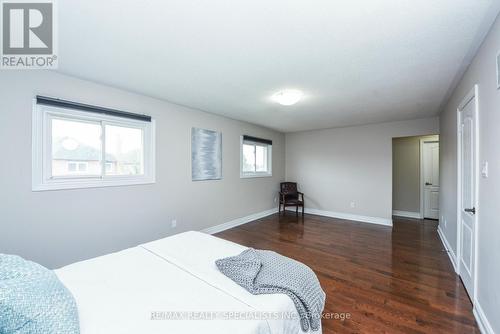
[473, 210]
[428, 184]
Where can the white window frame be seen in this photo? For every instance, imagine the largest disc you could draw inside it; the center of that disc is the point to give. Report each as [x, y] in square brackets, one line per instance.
[42, 146]
[268, 173]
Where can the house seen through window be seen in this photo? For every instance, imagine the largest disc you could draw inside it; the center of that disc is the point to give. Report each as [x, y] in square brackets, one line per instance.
[77, 149]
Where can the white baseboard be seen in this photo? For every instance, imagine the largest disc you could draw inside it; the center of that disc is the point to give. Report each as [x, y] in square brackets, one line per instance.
[239, 221]
[255, 216]
[349, 216]
[482, 321]
[407, 214]
[449, 250]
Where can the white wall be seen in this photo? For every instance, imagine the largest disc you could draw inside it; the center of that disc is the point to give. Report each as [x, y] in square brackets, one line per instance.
[482, 71]
[59, 227]
[336, 166]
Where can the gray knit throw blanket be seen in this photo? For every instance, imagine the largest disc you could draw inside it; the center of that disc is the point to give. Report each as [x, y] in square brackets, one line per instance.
[265, 272]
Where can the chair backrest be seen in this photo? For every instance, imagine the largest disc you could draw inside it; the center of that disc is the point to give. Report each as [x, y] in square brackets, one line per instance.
[288, 187]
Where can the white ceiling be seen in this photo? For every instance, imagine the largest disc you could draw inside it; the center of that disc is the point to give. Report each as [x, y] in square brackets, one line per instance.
[357, 61]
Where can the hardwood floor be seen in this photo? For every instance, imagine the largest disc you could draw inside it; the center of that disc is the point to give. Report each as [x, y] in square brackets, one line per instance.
[397, 280]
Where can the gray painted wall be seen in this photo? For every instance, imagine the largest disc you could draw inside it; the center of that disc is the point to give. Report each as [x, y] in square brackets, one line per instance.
[482, 71]
[336, 166]
[406, 173]
[59, 227]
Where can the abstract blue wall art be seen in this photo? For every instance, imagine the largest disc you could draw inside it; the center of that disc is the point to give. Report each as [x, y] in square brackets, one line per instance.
[206, 154]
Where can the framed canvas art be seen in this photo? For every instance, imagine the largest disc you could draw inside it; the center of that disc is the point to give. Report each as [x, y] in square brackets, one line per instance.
[206, 154]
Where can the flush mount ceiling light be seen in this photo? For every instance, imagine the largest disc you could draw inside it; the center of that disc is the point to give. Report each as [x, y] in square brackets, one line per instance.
[287, 97]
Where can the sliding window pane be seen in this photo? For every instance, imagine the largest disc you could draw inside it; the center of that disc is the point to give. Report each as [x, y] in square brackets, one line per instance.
[76, 148]
[248, 158]
[261, 158]
[124, 150]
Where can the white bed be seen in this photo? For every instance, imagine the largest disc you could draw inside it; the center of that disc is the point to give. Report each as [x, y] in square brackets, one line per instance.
[120, 292]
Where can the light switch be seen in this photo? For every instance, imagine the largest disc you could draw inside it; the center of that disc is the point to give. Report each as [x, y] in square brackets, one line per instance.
[484, 169]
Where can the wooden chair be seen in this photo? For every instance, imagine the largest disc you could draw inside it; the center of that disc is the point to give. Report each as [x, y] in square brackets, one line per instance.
[289, 196]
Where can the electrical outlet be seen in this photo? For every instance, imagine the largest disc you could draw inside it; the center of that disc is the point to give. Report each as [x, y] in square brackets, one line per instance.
[353, 204]
[275, 199]
[174, 223]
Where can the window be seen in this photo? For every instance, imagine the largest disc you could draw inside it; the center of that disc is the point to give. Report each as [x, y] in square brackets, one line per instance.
[80, 146]
[256, 157]
[109, 167]
[76, 167]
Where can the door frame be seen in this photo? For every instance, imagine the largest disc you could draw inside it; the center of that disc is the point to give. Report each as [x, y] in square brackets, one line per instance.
[473, 93]
[421, 182]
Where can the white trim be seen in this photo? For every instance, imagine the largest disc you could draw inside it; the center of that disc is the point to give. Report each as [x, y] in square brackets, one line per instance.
[472, 94]
[459, 187]
[476, 199]
[238, 221]
[254, 175]
[482, 322]
[407, 214]
[255, 216]
[449, 250]
[40, 165]
[497, 61]
[421, 181]
[348, 216]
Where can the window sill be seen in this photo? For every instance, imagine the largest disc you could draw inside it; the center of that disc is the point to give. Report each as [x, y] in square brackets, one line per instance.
[90, 183]
[255, 175]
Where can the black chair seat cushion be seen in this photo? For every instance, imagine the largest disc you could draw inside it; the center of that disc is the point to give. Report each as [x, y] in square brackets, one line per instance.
[294, 201]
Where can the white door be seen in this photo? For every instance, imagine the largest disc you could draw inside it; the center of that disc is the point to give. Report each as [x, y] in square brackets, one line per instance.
[430, 163]
[467, 200]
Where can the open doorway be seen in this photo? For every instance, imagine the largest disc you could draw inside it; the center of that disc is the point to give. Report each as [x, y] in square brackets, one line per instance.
[415, 177]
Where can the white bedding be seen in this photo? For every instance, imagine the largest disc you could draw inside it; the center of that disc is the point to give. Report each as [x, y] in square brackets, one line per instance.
[117, 293]
[196, 252]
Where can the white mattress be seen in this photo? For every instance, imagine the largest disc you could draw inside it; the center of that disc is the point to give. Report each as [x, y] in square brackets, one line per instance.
[196, 253]
[117, 293]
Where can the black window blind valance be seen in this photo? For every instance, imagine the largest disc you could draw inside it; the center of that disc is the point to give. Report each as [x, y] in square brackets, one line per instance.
[49, 101]
[257, 140]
